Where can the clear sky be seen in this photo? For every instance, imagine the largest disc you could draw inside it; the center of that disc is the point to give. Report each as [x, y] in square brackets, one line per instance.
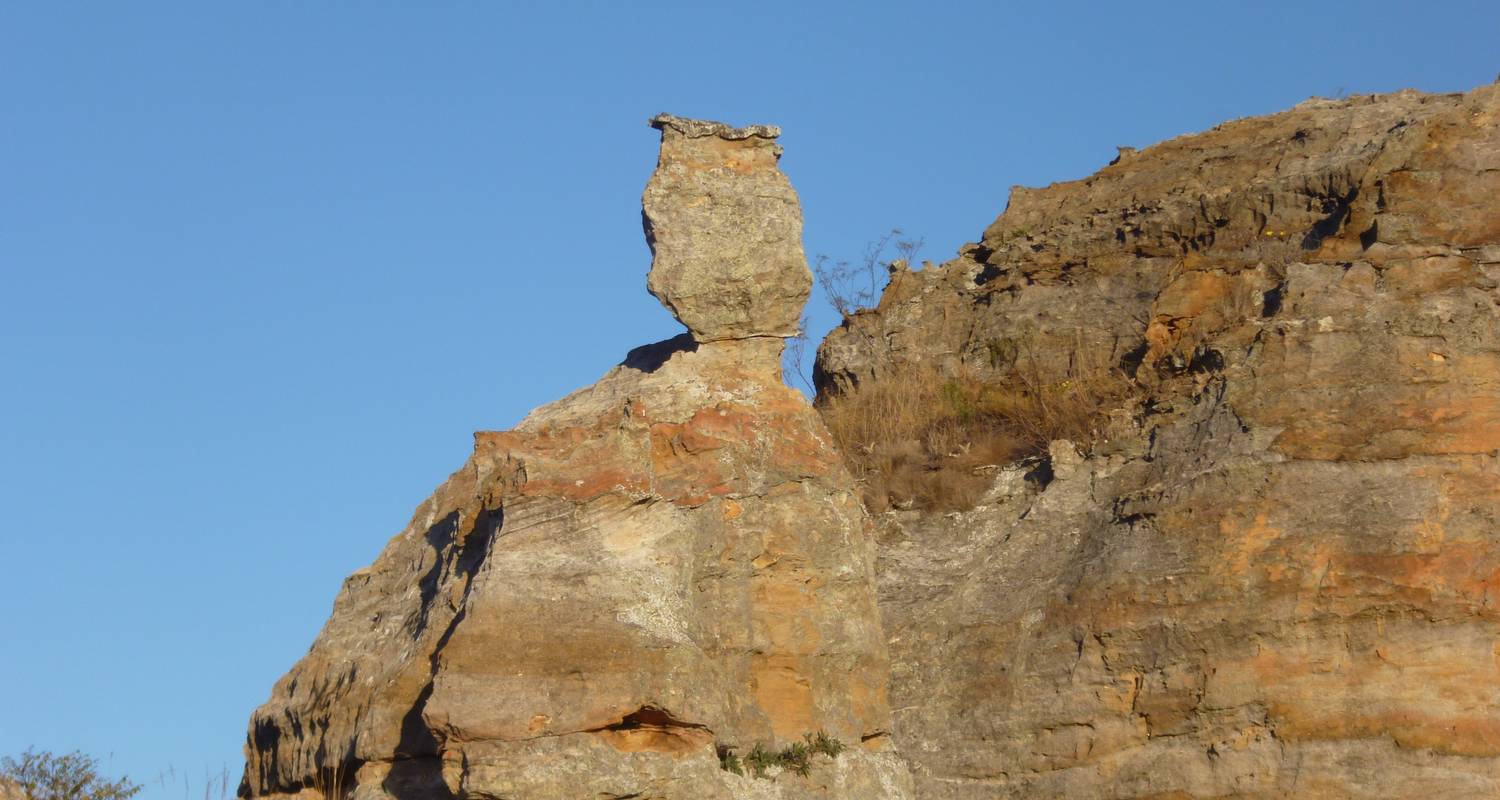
[265, 266]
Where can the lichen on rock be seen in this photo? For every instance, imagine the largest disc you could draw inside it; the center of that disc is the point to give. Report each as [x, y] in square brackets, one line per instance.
[725, 229]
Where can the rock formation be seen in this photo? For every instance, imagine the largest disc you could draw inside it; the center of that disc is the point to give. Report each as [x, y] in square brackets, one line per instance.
[663, 569]
[1277, 576]
[1273, 573]
[725, 230]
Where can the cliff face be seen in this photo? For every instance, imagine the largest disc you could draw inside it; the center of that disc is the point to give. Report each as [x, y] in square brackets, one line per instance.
[1277, 574]
[655, 573]
[1272, 573]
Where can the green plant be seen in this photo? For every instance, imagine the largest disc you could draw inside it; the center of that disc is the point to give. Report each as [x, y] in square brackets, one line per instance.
[760, 759]
[823, 744]
[795, 757]
[728, 761]
[73, 776]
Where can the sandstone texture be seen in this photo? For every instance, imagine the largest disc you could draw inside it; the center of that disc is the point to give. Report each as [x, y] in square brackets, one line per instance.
[725, 230]
[662, 569]
[1277, 573]
[1272, 573]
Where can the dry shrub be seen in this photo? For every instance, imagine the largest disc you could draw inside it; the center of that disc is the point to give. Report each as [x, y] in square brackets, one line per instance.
[916, 437]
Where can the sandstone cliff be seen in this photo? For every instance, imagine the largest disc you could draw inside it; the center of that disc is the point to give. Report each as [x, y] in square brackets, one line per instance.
[1272, 573]
[1276, 574]
[628, 593]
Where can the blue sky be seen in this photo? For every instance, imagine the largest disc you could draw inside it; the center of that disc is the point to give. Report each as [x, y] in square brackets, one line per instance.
[265, 266]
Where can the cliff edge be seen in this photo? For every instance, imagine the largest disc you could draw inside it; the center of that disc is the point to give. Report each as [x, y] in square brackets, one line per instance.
[1275, 573]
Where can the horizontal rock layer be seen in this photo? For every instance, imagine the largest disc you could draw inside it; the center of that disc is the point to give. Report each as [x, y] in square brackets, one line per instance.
[1278, 577]
[665, 563]
[638, 588]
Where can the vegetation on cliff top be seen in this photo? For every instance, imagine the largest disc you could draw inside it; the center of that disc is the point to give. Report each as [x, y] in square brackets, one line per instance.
[917, 436]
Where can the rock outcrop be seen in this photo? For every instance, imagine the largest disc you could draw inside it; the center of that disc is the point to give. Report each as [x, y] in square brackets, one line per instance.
[1277, 576]
[636, 586]
[1273, 573]
[725, 230]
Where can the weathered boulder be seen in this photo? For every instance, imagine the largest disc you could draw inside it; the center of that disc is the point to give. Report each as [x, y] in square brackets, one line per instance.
[640, 583]
[725, 230]
[1278, 576]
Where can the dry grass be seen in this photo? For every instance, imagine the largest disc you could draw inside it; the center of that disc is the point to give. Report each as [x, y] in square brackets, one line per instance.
[916, 437]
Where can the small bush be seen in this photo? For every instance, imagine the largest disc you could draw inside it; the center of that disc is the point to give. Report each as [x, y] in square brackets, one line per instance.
[915, 436]
[823, 744]
[851, 287]
[728, 761]
[760, 759]
[74, 776]
[795, 757]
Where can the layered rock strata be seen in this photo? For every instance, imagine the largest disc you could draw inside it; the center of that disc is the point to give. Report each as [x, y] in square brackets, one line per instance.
[1276, 574]
[637, 584]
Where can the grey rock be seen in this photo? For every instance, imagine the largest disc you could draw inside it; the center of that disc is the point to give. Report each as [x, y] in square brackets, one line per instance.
[1279, 579]
[725, 229]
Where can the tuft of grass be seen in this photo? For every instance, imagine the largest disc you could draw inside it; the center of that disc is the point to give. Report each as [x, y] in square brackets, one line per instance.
[760, 759]
[728, 761]
[823, 744]
[916, 436]
[335, 782]
[795, 757]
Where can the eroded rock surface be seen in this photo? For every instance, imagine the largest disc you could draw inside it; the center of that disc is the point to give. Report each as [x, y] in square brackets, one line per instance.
[1277, 576]
[1273, 576]
[659, 569]
[725, 229]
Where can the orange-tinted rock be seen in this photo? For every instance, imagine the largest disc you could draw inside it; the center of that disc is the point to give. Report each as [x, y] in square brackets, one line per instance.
[1283, 582]
[662, 568]
[725, 229]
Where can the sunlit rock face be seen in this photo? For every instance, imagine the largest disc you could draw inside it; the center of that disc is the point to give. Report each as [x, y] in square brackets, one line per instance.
[725, 229]
[658, 570]
[1273, 574]
[1276, 575]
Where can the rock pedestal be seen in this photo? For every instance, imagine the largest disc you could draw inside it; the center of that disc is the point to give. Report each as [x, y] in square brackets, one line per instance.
[640, 583]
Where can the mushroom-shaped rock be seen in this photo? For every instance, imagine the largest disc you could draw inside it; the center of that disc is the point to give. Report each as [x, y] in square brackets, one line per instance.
[725, 230]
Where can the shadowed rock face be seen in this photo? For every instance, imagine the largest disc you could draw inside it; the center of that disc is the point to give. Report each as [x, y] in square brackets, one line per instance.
[1277, 576]
[725, 230]
[663, 566]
